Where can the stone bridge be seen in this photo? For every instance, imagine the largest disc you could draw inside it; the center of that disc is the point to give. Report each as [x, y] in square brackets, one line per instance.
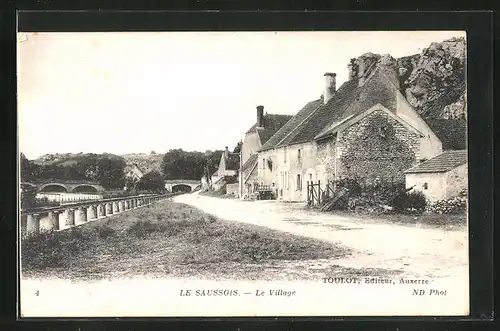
[182, 185]
[67, 186]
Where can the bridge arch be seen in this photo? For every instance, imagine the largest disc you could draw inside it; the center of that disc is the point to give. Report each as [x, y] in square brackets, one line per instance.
[84, 189]
[181, 188]
[54, 188]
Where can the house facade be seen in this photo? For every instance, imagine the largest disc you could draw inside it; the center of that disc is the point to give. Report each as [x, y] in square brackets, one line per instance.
[364, 130]
[265, 127]
[441, 177]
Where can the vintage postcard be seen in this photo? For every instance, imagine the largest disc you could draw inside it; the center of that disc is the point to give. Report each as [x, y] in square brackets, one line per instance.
[229, 174]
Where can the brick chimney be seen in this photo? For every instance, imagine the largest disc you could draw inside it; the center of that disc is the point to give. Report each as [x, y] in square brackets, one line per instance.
[330, 85]
[260, 116]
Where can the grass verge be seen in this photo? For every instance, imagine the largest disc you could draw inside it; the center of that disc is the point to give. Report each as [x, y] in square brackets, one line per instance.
[167, 239]
[426, 219]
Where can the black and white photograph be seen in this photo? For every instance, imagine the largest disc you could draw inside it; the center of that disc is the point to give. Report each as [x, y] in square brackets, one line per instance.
[202, 174]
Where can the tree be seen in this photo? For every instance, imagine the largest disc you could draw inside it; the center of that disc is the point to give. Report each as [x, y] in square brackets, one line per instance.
[131, 183]
[110, 173]
[153, 181]
[237, 149]
[152, 152]
[180, 164]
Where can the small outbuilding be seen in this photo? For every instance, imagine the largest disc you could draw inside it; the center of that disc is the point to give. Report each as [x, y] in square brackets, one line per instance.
[442, 177]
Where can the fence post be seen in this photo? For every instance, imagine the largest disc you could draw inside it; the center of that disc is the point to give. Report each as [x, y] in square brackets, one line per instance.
[319, 191]
[307, 188]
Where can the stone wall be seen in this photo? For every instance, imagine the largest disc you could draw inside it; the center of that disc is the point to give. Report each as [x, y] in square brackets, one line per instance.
[378, 146]
[432, 185]
[456, 181]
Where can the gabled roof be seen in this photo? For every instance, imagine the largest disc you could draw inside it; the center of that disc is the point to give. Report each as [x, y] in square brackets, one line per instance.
[307, 110]
[444, 162]
[324, 115]
[252, 160]
[272, 123]
[349, 100]
[451, 132]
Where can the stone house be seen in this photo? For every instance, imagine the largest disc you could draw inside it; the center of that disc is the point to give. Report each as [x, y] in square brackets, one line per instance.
[265, 127]
[442, 177]
[365, 130]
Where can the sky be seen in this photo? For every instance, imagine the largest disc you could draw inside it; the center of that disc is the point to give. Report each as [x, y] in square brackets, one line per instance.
[134, 92]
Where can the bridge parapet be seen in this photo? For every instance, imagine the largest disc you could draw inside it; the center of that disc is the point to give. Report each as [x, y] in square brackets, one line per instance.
[63, 217]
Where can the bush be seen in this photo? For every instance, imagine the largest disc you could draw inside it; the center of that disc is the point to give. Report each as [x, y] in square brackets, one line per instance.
[455, 205]
[409, 201]
[351, 184]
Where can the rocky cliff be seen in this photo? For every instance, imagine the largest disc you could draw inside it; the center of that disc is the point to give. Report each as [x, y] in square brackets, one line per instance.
[434, 80]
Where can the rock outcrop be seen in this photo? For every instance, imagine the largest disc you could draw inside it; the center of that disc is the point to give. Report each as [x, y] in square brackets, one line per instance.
[434, 80]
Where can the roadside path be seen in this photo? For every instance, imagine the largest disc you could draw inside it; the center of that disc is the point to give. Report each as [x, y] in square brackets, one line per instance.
[414, 250]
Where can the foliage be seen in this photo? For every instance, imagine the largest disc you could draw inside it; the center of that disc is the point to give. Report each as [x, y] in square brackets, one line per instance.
[238, 146]
[409, 201]
[455, 205]
[152, 181]
[28, 196]
[110, 173]
[106, 169]
[351, 185]
[131, 183]
[180, 164]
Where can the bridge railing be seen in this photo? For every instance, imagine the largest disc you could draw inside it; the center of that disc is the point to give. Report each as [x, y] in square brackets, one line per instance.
[65, 198]
[57, 218]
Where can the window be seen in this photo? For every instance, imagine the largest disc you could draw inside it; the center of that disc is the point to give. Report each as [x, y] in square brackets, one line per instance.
[299, 183]
[263, 163]
[299, 155]
[284, 154]
[425, 186]
[286, 180]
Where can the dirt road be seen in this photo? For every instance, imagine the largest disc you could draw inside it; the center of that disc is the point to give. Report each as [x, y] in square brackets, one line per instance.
[413, 251]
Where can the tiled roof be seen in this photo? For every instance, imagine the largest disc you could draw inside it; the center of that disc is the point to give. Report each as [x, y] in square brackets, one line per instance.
[444, 162]
[272, 123]
[451, 132]
[377, 89]
[252, 160]
[325, 114]
[350, 99]
[291, 124]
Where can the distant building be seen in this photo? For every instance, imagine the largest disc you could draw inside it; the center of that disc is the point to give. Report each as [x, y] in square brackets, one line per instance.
[442, 177]
[133, 171]
[228, 167]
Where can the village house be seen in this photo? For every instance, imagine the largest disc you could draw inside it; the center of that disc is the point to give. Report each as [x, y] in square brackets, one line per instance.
[265, 127]
[364, 130]
[442, 177]
[229, 165]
